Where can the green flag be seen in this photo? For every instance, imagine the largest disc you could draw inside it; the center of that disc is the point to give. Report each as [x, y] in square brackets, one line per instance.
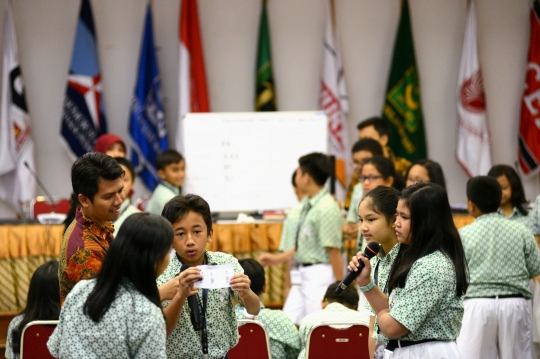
[265, 99]
[402, 107]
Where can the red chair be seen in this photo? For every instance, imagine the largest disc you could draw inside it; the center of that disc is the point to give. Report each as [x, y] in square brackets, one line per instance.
[350, 340]
[42, 205]
[253, 342]
[34, 339]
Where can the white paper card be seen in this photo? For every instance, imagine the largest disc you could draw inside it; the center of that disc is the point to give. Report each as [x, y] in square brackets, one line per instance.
[216, 276]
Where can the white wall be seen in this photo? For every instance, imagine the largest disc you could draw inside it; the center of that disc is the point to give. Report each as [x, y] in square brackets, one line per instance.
[46, 30]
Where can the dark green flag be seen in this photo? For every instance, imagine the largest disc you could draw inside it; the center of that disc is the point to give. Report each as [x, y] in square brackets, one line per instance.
[402, 107]
[265, 99]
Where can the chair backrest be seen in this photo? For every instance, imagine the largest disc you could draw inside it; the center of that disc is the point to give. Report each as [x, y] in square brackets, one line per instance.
[41, 205]
[350, 340]
[34, 339]
[253, 342]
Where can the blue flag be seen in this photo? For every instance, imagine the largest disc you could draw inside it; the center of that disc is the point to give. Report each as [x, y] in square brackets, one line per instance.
[147, 123]
[83, 120]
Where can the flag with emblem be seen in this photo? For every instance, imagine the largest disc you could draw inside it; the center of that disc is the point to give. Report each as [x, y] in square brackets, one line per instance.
[147, 123]
[265, 97]
[333, 100]
[83, 120]
[529, 129]
[17, 185]
[192, 90]
[402, 107]
[473, 145]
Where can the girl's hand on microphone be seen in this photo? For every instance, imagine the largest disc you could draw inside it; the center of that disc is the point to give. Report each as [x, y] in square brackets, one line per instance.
[353, 264]
[364, 277]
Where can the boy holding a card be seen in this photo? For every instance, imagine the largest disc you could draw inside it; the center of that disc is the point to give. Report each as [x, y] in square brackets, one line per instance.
[191, 219]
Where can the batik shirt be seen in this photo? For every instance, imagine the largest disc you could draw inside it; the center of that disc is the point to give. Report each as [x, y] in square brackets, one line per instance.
[427, 305]
[163, 193]
[222, 327]
[334, 312]
[9, 339]
[356, 198]
[284, 338]
[320, 228]
[383, 268]
[133, 327]
[290, 226]
[516, 216]
[84, 246]
[534, 217]
[502, 256]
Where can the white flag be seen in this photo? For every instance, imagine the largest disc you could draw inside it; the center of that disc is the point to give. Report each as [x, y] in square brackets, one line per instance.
[473, 147]
[334, 102]
[16, 147]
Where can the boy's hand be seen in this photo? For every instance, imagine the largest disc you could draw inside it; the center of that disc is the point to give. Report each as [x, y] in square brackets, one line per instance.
[240, 283]
[186, 281]
[267, 259]
[169, 289]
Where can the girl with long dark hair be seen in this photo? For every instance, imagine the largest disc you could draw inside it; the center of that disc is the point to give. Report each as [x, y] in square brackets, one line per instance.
[118, 314]
[422, 315]
[43, 303]
[513, 206]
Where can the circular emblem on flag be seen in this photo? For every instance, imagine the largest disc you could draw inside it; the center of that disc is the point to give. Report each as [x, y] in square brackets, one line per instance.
[472, 95]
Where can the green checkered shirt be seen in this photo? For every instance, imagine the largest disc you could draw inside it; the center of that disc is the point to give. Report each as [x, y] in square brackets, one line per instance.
[321, 228]
[428, 305]
[516, 216]
[356, 198]
[534, 217]
[290, 226]
[502, 256]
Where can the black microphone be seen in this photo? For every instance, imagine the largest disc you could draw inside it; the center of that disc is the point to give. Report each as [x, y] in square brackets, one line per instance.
[42, 186]
[371, 250]
[193, 306]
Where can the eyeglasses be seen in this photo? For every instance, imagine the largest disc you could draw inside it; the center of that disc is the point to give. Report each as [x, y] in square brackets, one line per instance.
[368, 178]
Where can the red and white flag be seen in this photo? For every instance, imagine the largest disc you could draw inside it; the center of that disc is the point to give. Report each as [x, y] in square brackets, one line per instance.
[192, 75]
[334, 101]
[529, 129]
[473, 148]
[16, 146]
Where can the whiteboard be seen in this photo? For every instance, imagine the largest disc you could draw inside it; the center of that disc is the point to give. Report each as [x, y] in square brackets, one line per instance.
[240, 162]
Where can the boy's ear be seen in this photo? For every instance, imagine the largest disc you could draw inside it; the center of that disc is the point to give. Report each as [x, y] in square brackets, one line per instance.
[161, 174]
[210, 235]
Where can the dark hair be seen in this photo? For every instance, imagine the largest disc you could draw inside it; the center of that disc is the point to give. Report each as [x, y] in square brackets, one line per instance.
[518, 194]
[168, 157]
[380, 125]
[255, 273]
[317, 166]
[126, 163]
[294, 179]
[368, 144]
[432, 228]
[143, 240]
[384, 201]
[89, 169]
[485, 192]
[434, 170]
[386, 168]
[349, 297]
[43, 300]
[180, 206]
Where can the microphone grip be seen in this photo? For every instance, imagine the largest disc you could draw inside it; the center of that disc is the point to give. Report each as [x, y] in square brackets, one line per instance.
[193, 304]
[349, 278]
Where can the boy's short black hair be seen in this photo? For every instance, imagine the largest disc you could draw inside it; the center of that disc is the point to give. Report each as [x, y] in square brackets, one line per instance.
[381, 126]
[317, 166]
[168, 157]
[485, 192]
[122, 161]
[348, 298]
[89, 169]
[368, 144]
[255, 272]
[180, 206]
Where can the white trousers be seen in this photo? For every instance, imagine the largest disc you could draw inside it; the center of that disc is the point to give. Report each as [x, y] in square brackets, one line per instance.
[496, 328]
[429, 350]
[306, 298]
